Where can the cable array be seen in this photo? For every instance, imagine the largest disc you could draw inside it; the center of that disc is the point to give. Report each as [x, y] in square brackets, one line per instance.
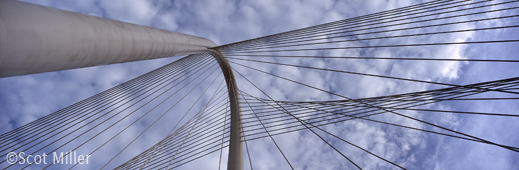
[124, 107]
[401, 31]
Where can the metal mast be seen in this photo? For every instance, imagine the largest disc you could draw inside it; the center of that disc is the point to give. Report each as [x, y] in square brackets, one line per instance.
[235, 161]
[37, 39]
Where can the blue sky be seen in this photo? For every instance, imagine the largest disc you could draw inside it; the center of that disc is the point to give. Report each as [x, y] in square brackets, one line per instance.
[26, 98]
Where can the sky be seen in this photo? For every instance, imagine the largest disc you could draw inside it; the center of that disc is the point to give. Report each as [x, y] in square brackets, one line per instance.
[26, 98]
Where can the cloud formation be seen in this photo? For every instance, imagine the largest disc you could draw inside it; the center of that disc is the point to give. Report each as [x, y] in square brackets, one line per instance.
[27, 98]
